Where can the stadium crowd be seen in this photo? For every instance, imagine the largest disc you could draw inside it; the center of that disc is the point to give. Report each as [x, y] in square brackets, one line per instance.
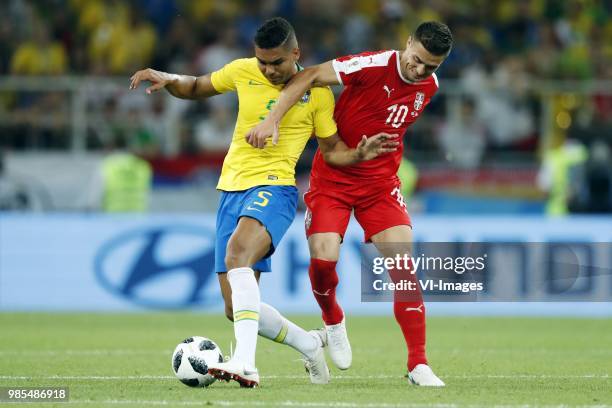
[551, 39]
[495, 106]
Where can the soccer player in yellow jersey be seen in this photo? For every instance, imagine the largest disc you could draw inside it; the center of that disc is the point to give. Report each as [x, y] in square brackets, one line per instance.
[259, 197]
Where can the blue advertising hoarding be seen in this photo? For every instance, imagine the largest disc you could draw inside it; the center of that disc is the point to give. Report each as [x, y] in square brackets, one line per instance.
[69, 262]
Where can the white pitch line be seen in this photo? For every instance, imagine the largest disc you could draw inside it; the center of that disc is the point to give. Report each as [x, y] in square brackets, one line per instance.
[289, 403]
[101, 352]
[136, 352]
[337, 377]
[516, 350]
[89, 377]
[489, 350]
[543, 376]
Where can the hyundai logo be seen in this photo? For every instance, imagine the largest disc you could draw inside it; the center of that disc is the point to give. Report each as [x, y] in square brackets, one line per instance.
[161, 266]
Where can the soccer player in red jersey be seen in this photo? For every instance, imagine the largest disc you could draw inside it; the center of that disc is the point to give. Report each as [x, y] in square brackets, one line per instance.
[384, 91]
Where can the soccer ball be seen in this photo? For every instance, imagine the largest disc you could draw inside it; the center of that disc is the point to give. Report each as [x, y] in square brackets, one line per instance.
[190, 361]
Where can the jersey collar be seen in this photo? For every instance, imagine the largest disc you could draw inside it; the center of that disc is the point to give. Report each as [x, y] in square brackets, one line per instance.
[399, 70]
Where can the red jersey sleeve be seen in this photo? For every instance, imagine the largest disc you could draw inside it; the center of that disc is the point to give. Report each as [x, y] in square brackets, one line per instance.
[359, 68]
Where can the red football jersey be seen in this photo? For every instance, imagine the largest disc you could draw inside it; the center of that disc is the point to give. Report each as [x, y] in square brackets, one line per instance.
[376, 98]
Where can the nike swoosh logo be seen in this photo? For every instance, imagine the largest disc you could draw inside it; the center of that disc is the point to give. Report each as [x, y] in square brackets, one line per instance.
[251, 82]
[254, 209]
[415, 309]
[322, 294]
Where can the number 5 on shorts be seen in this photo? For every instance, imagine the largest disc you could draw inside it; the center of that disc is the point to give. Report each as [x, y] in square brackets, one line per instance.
[264, 198]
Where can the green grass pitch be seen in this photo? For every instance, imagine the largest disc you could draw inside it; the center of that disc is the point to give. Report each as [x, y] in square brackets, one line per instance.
[124, 360]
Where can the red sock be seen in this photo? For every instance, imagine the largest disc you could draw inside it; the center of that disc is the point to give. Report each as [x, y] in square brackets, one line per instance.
[324, 279]
[412, 323]
[409, 311]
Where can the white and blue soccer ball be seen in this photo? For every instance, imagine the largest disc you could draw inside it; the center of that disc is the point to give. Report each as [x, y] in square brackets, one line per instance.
[191, 358]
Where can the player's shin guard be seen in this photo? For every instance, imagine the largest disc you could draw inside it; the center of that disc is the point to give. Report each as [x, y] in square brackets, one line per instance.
[324, 279]
[246, 304]
[409, 311]
[274, 326]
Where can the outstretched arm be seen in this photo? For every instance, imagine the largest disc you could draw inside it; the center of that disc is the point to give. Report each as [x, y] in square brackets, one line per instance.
[318, 75]
[181, 86]
[337, 153]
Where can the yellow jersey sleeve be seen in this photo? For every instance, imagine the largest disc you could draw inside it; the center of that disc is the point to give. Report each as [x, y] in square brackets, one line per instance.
[224, 80]
[324, 123]
[244, 166]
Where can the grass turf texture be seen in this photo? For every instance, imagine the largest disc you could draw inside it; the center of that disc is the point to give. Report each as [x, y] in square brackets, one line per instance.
[124, 360]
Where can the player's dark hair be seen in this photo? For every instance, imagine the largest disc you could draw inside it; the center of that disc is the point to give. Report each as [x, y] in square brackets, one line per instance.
[275, 32]
[435, 37]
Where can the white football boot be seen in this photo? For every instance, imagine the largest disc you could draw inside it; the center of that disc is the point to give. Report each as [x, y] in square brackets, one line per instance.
[235, 370]
[316, 366]
[339, 346]
[423, 375]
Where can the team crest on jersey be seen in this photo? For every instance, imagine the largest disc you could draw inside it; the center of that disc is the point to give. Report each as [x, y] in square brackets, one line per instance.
[307, 219]
[419, 99]
[305, 97]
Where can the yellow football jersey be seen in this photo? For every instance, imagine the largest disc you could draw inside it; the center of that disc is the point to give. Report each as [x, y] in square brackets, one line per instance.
[246, 166]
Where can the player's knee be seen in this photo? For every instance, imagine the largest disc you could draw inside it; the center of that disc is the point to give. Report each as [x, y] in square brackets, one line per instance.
[324, 249]
[236, 255]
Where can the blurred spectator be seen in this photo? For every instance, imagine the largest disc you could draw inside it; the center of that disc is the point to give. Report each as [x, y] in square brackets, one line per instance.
[122, 183]
[160, 12]
[310, 27]
[561, 176]
[471, 42]
[13, 195]
[463, 137]
[221, 52]
[104, 125]
[132, 45]
[542, 59]
[513, 61]
[38, 116]
[7, 37]
[357, 30]
[567, 39]
[516, 29]
[591, 124]
[591, 127]
[246, 22]
[502, 101]
[176, 51]
[215, 56]
[157, 122]
[123, 41]
[132, 117]
[214, 134]
[574, 63]
[40, 55]
[91, 14]
[408, 175]
[144, 137]
[598, 180]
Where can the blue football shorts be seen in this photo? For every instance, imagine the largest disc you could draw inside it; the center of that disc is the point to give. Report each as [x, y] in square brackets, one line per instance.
[273, 206]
